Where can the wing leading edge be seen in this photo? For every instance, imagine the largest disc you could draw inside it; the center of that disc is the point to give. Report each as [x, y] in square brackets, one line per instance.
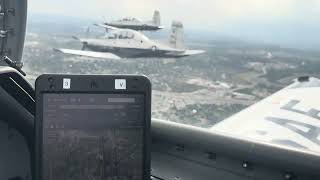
[93, 54]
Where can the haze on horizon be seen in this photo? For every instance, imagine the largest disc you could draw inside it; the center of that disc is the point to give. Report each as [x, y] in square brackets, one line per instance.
[285, 22]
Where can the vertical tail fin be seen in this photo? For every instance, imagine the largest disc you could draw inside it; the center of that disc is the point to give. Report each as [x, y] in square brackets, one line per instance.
[176, 36]
[156, 18]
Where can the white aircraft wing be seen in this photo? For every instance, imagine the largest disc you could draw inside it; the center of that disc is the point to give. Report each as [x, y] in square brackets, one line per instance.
[290, 117]
[106, 26]
[104, 55]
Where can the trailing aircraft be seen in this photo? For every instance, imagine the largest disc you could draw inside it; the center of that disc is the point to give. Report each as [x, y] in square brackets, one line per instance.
[128, 43]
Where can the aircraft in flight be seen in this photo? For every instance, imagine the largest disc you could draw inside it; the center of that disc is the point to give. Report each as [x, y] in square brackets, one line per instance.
[138, 25]
[127, 43]
[275, 139]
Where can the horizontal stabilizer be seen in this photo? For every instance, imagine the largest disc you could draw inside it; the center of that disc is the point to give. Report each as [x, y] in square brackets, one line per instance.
[182, 53]
[193, 52]
[104, 55]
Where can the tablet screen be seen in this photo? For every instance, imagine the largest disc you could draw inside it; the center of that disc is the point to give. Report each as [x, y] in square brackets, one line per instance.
[93, 136]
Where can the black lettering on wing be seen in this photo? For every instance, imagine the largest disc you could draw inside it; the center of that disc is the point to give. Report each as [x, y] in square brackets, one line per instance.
[314, 113]
[312, 134]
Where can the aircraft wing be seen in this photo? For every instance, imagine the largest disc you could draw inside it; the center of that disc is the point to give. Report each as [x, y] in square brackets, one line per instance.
[290, 117]
[93, 54]
[106, 26]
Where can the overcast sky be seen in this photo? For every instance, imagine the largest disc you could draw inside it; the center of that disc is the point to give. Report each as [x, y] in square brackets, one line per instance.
[229, 16]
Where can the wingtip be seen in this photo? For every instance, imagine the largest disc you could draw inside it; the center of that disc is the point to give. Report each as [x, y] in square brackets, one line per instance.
[57, 50]
[96, 24]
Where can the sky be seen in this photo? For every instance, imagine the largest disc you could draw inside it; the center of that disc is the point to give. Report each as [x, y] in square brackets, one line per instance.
[281, 21]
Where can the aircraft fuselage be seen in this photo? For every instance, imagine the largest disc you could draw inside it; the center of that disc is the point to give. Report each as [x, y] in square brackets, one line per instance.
[142, 27]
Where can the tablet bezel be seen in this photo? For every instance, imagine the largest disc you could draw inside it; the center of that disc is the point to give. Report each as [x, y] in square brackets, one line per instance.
[92, 84]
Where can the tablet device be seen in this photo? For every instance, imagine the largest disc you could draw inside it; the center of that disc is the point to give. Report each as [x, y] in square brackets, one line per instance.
[92, 127]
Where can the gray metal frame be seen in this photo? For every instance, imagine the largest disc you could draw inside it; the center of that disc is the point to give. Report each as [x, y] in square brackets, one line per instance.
[13, 18]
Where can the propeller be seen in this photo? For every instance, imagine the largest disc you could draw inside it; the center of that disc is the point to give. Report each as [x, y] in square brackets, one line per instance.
[104, 19]
[84, 45]
[87, 32]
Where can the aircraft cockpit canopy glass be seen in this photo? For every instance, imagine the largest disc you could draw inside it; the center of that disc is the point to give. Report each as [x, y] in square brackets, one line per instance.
[207, 61]
[121, 35]
[126, 35]
[130, 19]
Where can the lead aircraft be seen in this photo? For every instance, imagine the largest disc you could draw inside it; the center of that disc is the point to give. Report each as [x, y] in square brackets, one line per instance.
[275, 139]
[136, 24]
